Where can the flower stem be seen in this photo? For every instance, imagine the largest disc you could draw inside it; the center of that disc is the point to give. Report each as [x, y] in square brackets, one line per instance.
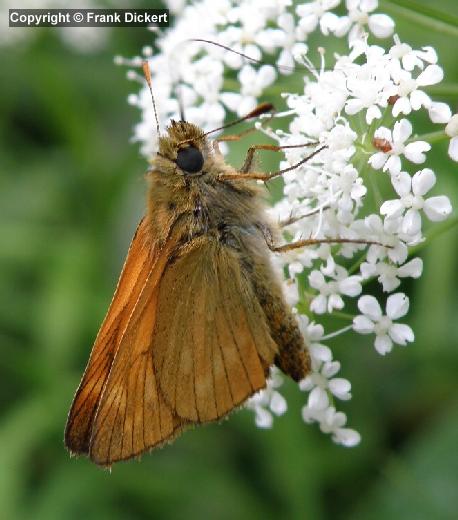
[431, 137]
[337, 333]
[343, 315]
[444, 89]
[356, 265]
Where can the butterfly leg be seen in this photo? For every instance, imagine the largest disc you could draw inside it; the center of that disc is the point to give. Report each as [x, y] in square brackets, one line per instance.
[292, 219]
[245, 175]
[317, 241]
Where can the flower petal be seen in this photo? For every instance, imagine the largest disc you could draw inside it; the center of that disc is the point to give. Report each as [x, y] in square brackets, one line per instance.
[402, 106]
[383, 133]
[392, 208]
[393, 165]
[381, 25]
[412, 269]
[318, 399]
[369, 306]
[263, 418]
[363, 324]
[423, 181]
[431, 75]
[419, 99]
[397, 306]
[316, 279]
[278, 403]
[453, 149]
[340, 387]
[330, 369]
[373, 112]
[411, 223]
[452, 126]
[378, 160]
[350, 286]
[415, 151]
[320, 352]
[319, 304]
[335, 302]
[402, 130]
[402, 183]
[439, 112]
[401, 333]
[437, 208]
[383, 344]
[347, 437]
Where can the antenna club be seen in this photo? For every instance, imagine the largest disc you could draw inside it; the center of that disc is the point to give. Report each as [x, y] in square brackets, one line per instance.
[147, 74]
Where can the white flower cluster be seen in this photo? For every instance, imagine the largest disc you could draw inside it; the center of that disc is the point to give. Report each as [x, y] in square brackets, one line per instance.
[362, 186]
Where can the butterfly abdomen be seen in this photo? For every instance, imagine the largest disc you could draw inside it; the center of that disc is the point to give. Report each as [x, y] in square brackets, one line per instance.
[293, 356]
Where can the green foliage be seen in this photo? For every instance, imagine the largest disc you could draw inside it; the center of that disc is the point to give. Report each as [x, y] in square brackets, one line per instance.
[71, 191]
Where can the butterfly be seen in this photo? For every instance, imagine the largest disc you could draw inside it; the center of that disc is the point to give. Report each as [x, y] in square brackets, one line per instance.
[198, 316]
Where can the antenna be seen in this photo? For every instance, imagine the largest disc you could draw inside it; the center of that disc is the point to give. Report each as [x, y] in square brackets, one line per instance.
[254, 60]
[262, 108]
[147, 74]
[180, 101]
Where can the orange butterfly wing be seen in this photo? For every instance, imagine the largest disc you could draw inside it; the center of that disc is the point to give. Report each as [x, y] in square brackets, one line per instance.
[141, 272]
[132, 415]
[184, 341]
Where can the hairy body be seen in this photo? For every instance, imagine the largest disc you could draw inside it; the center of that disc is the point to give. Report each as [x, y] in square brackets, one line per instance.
[233, 216]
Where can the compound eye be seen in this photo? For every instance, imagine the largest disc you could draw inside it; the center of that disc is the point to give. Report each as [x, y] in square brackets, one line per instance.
[190, 159]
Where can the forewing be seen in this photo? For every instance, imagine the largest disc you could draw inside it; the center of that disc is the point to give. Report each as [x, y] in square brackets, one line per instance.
[136, 269]
[132, 416]
[211, 346]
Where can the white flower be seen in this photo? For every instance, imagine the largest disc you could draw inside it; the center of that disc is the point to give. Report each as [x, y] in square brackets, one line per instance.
[333, 422]
[388, 274]
[373, 321]
[452, 131]
[381, 25]
[268, 401]
[330, 291]
[313, 333]
[411, 200]
[410, 96]
[321, 383]
[389, 243]
[313, 13]
[390, 160]
[252, 83]
[404, 57]
[368, 91]
[285, 38]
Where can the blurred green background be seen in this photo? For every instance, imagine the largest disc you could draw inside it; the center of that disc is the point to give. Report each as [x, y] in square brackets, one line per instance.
[71, 192]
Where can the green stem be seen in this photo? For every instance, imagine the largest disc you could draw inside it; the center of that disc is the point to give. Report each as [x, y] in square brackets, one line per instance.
[422, 15]
[356, 265]
[343, 315]
[431, 137]
[444, 89]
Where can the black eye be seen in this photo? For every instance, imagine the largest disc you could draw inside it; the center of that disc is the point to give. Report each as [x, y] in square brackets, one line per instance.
[190, 159]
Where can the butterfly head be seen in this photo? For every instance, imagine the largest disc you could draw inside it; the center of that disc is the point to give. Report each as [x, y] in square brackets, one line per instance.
[185, 146]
